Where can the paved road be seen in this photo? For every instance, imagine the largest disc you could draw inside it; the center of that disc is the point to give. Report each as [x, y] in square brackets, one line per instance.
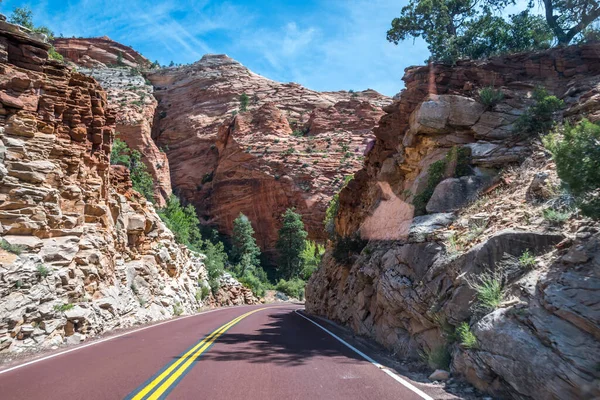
[252, 352]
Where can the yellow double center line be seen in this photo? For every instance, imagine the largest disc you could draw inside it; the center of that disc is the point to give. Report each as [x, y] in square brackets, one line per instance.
[159, 385]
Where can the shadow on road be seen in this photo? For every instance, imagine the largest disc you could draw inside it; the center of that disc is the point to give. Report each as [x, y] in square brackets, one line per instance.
[287, 339]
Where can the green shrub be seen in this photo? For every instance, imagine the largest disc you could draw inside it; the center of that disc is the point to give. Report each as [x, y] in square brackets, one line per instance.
[244, 100]
[141, 180]
[527, 260]
[539, 118]
[255, 280]
[202, 292]
[311, 258]
[466, 337]
[292, 288]
[11, 248]
[177, 309]
[55, 55]
[43, 271]
[183, 222]
[435, 176]
[437, 358]
[458, 158]
[490, 291]
[555, 217]
[63, 307]
[490, 97]
[576, 151]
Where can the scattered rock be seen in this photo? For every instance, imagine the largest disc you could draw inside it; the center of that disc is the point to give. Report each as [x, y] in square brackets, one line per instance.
[439, 375]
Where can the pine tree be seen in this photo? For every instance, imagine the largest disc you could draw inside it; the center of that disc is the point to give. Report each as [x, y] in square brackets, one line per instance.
[291, 244]
[244, 248]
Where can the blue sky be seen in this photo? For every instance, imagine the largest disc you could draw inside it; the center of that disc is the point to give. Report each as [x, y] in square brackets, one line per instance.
[323, 45]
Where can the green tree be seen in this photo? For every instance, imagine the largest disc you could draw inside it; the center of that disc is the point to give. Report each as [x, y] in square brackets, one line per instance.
[291, 243]
[244, 249]
[141, 180]
[311, 258]
[24, 16]
[475, 28]
[183, 222]
[570, 18]
[171, 64]
[244, 100]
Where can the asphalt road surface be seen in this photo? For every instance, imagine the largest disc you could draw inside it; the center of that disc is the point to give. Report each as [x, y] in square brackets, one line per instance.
[249, 352]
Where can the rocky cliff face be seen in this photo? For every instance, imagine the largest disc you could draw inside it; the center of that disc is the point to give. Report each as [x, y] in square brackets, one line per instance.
[413, 283]
[129, 93]
[99, 52]
[291, 148]
[82, 253]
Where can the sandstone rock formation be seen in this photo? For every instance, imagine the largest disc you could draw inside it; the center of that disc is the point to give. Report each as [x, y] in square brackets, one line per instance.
[99, 52]
[291, 148]
[129, 94]
[413, 283]
[81, 252]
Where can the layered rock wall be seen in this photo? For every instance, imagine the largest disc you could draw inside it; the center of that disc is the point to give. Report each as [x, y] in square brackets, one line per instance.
[82, 253]
[414, 282]
[99, 52]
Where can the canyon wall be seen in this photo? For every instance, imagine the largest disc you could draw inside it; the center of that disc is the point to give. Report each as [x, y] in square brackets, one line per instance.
[405, 265]
[129, 93]
[292, 147]
[81, 252]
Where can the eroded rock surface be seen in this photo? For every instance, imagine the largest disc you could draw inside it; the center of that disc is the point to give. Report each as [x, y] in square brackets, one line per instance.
[413, 283]
[129, 94]
[82, 252]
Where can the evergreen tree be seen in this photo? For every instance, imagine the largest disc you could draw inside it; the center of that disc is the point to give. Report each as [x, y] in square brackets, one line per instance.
[244, 249]
[291, 243]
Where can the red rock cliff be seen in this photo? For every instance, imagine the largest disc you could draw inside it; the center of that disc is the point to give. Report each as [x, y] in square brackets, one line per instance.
[81, 252]
[291, 148]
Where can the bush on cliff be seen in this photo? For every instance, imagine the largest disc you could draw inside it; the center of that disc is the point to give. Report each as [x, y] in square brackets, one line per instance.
[576, 151]
[141, 180]
[539, 117]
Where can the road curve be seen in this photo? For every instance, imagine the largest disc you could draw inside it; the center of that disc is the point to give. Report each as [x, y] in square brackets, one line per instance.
[251, 352]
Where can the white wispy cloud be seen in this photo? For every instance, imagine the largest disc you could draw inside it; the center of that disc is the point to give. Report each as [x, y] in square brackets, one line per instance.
[337, 44]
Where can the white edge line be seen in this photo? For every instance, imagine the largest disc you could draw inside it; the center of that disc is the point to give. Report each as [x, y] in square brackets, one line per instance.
[372, 361]
[112, 337]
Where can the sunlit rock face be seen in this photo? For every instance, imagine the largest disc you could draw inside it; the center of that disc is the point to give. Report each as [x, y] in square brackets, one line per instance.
[129, 94]
[409, 283]
[292, 147]
[82, 253]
